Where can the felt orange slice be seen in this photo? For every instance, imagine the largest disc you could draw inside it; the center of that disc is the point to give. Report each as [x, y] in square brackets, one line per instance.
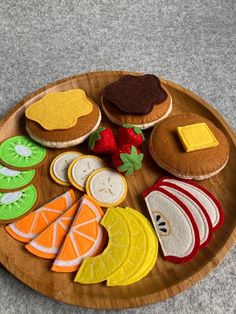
[48, 242]
[85, 238]
[30, 226]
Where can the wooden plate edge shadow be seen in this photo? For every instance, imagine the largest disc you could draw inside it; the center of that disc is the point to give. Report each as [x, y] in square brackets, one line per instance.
[119, 303]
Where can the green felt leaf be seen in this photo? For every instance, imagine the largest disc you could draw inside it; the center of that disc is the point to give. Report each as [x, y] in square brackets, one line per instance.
[94, 137]
[131, 162]
[136, 129]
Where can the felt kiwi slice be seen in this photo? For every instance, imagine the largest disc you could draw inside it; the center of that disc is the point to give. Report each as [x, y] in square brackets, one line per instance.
[21, 152]
[14, 179]
[15, 204]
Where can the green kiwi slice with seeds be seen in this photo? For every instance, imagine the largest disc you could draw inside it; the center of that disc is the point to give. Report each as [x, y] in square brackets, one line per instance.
[21, 152]
[15, 204]
[14, 179]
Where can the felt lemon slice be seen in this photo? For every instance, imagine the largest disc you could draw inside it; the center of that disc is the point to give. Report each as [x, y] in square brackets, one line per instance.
[143, 250]
[107, 187]
[59, 167]
[99, 268]
[60, 110]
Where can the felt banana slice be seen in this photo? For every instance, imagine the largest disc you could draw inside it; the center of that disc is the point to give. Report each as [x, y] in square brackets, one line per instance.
[80, 169]
[107, 187]
[60, 110]
[59, 167]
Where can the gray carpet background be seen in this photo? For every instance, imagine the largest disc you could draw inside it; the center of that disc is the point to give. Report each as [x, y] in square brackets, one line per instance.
[189, 42]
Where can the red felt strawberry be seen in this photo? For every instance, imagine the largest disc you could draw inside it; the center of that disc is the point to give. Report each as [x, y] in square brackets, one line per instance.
[102, 141]
[129, 134]
[127, 158]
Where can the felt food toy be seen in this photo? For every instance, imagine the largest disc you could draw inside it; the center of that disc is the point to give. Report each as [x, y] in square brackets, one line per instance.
[137, 100]
[106, 187]
[127, 159]
[184, 215]
[80, 169]
[11, 180]
[102, 141]
[130, 254]
[65, 123]
[196, 136]
[30, 226]
[20, 152]
[129, 134]
[85, 237]
[59, 167]
[60, 110]
[15, 204]
[167, 150]
[48, 242]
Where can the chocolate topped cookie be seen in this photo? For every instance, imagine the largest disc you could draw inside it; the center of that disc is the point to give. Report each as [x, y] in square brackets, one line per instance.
[135, 94]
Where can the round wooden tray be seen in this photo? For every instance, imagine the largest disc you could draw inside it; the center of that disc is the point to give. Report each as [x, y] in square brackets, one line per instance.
[166, 279]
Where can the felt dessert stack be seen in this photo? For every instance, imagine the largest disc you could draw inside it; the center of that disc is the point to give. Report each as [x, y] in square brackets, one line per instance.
[19, 156]
[184, 215]
[189, 146]
[137, 100]
[62, 119]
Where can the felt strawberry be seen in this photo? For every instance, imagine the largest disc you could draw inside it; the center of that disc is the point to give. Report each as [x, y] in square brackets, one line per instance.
[102, 141]
[129, 134]
[127, 158]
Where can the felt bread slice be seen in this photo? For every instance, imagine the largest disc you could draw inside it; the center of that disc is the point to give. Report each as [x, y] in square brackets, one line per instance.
[166, 149]
[66, 137]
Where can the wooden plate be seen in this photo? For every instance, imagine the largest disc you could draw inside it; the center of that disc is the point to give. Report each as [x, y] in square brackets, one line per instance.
[166, 279]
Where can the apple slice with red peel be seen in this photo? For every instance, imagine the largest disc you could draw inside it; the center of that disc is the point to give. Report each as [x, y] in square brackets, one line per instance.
[208, 201]
[199, 213]
[175, 226]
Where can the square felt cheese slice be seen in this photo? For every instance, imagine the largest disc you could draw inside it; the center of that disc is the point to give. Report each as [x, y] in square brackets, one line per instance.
[196, 136]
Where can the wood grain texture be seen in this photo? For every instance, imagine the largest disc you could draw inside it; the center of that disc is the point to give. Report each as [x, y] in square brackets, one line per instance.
[166, 279]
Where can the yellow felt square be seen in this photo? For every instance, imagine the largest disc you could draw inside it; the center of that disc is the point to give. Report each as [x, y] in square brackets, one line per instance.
[196, 136]
[60, 110]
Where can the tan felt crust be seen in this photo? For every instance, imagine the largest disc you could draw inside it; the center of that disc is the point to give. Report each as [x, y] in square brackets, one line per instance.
[64, 144]
[144, 121]
[84, 125]
[166, 149]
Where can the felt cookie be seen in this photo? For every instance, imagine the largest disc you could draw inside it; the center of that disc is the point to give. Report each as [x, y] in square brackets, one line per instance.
[135, 94]
[11, 180]
[80, 169]
[144, 248]
[60, 110]
[131, 245]
[107, 187]
[20, 152]
[48, 242]
[206, 199]
[16, 204]
[175, 226]
[59, 167]
[168, 152]
[69, 137]
[30, 226]
[85, 238]
[145, 120]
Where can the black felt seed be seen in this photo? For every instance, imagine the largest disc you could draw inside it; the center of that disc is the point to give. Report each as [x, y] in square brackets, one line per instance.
[163, 229]
[158, 217]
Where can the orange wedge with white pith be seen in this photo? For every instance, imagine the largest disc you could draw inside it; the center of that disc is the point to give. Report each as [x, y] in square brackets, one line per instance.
[86, 237]
[30, 226]
[48, 242]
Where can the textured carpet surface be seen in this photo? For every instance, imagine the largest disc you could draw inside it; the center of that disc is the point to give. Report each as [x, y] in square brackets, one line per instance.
[189, 42]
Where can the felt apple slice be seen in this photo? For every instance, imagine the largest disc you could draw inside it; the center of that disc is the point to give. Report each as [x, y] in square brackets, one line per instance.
[199, 213]
[175, 226]
[208, 201]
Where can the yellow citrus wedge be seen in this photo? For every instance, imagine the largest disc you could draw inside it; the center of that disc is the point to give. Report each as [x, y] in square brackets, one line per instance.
[99, 268]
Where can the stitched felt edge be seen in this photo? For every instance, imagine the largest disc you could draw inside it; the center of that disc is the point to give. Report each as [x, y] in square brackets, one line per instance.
[194, 199]
[196, 247]
[208, 193]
